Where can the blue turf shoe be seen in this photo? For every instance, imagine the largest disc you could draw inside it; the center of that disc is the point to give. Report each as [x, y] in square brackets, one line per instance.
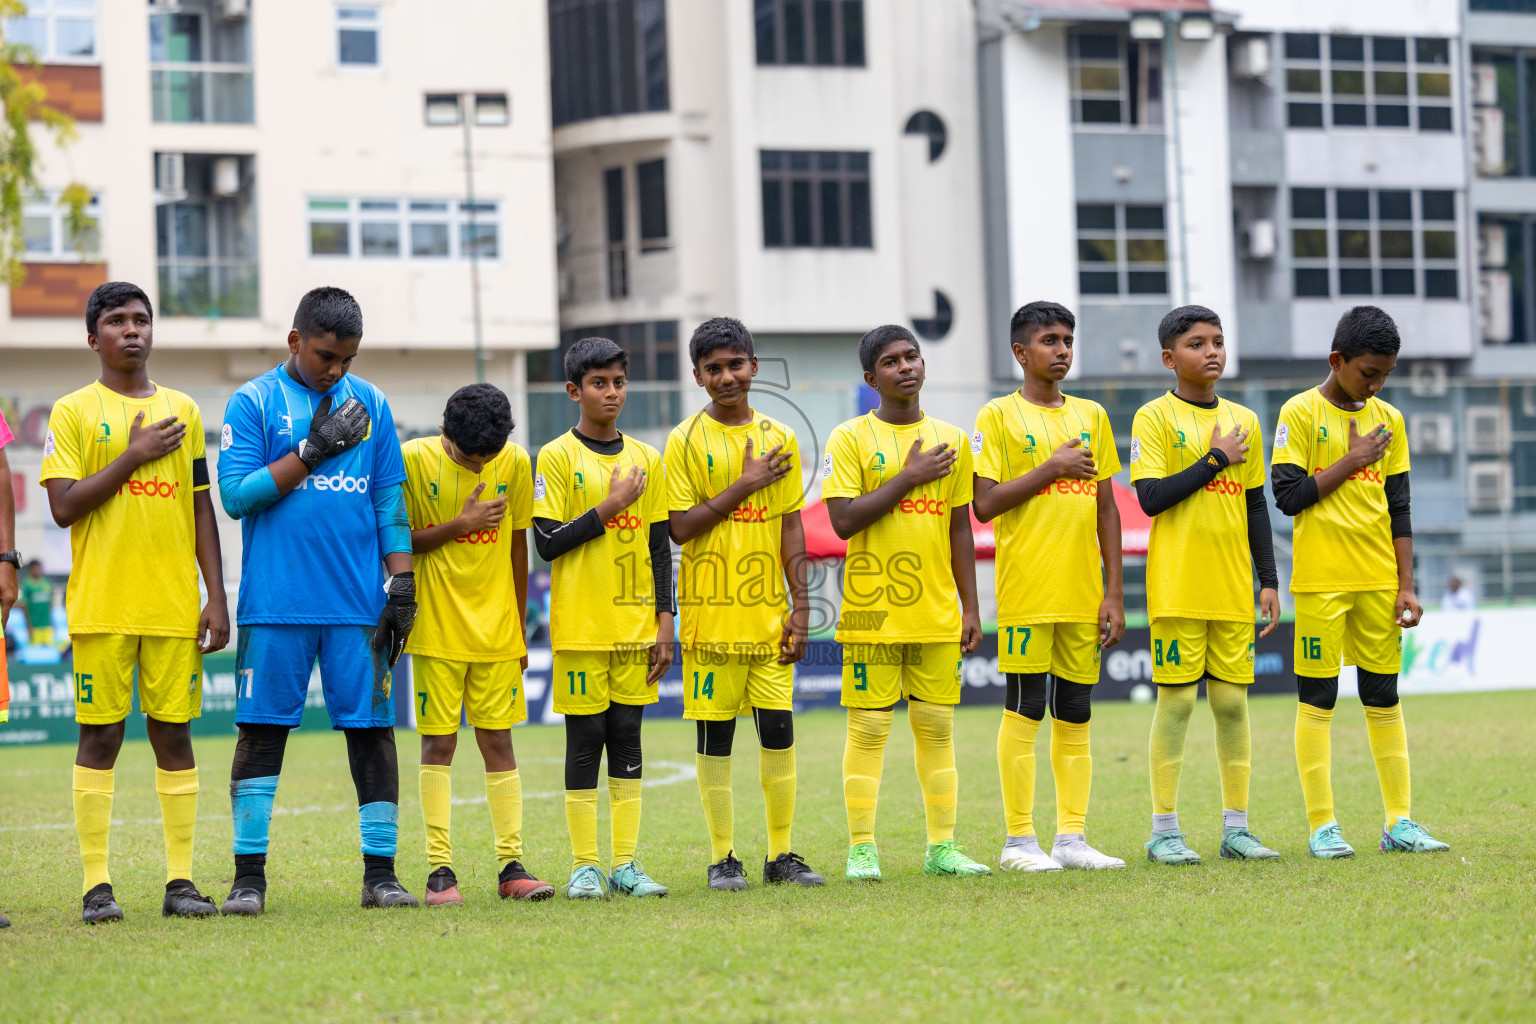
[1328, 843]
[1407, 836]
[586, 884]
[1169, 848]
[1240, 844]
[631, 880]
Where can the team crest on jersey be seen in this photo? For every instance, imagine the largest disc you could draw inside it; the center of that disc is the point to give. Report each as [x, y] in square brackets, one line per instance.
[538, 487]
[106, 434]
[501, 489]
[578, 482]
[284, 425]
[977, 441]
[1282, 435]
[1029, 444]
[1322, 435]
[878, 462]
[48, 445]
[432, 490]
[1135, 449]
[1182, 442]
[226, 437]
[826, 466]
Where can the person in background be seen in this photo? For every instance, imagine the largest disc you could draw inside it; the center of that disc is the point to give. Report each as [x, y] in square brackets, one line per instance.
[37, 601]
[1458, 596]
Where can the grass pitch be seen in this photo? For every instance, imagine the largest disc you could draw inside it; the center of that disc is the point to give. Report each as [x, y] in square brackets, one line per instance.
[1407, 938]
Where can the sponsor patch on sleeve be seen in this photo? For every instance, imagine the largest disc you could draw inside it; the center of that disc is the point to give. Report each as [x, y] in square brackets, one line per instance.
[977, 442]
[826, 466]
[1135, 449]
[538, 487]
[1282, 435]
[48, 445]
[226, 438]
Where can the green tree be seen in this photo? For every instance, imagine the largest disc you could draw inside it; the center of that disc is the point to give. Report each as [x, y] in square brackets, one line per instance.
[23, 100]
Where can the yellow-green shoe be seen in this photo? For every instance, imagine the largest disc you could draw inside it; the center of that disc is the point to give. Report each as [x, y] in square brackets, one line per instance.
[946, 859]
[863, 863]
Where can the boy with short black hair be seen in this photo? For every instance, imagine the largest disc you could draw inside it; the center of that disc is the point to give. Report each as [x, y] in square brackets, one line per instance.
[735, 498]
[1043, 466]
[124, 466]
[600, 519]
[1352, 575]
[471, 559]
[904, 510]
[1209, 523]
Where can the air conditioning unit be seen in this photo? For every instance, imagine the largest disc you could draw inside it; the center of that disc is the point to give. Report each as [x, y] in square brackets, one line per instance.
[233, 9]
[226, 176]
[1485, 85]
[170, 177]
[1528, 400]
[1261, 239]
[1495, 308]
[1426, 378]
[1431, 432]
[1490, 487]
[1492, 246]
[1487, 430]
[1488, 140]
[1251, 57]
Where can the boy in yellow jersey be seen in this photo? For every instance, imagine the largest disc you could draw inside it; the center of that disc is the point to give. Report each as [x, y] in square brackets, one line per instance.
[469, 496]
[733, 481]
[1340, 468]
[1043, 467]
[600, 519]
[124, 467]
[897, 485]
[1210, 520]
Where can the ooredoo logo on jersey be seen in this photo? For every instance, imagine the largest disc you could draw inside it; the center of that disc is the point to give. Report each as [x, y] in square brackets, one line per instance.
[338, 482]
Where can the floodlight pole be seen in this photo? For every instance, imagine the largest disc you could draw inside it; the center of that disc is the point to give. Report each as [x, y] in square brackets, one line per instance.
[465, 113]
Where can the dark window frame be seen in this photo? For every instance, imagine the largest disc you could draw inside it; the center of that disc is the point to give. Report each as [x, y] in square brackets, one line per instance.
[651, 201]
[1356, 226]
[809, 33]
[1319, 91]
[817, 199]
[607, 58]
[1115, 229]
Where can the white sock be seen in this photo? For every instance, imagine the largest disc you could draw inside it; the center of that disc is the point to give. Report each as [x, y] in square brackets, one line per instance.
[1165, 822]
[1071, 839]
[1029, 844]
[1234, 819]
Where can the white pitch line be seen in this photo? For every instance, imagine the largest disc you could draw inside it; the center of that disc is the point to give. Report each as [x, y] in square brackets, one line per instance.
[678, 773]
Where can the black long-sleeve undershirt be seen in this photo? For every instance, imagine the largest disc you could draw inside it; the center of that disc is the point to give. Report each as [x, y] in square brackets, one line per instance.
[1158, 496]
[1296, 491]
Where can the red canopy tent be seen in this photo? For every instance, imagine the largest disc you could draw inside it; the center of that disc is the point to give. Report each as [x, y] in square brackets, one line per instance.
[1135, 529]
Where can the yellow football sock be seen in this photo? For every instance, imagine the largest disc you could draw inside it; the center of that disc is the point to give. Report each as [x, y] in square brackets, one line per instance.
[504, 794]
[863, 759]
[93, 820]
[1016, 764]
[1170, 723]
[581, 819]
[776, 770]
[178, 813]
[1313, 758]
[1072, 766]
[719, 811]
[933, 743]
[623, 818]
[1234, 744]
[436, 812]
[1389, 749]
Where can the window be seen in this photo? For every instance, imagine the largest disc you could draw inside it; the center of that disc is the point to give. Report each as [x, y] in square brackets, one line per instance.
[1515, 77]
[492, 109]
[357, 36]
[200, 69]
[613, 208]
[1115, 80]
[652, 348]
[1360, 82]
[46, 234]
[58, 31]
[1387, 242]
[442, 109]
[607, 57]
[1506, 271]
[418, 229]
[816, 200]
[821, 32]
[651, 182]
[1122, 249]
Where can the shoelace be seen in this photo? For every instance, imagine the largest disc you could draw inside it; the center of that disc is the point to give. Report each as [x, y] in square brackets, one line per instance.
[1412, 831]
[1333, 836]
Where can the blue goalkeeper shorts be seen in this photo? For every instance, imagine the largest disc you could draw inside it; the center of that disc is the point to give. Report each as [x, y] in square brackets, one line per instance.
[273, 665]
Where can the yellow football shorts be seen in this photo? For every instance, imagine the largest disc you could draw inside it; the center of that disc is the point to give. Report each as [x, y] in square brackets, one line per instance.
[878, 675]
[490, 692]
[1067, 650]
[585, 682]
[719, 684]
[42, 635]
[170, 677]
[1187, 650]
[1358, 628]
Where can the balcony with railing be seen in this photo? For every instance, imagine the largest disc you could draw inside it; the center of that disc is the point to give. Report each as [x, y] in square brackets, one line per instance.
[200, 65]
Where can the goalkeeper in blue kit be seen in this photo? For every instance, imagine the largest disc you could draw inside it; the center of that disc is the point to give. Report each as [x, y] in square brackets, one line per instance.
[310, 463]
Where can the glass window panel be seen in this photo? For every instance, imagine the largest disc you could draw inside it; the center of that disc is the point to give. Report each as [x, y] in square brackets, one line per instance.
[861, 231]
[429, 241]
[765, 17]
[853, 33]
[1397, 281]
[1354, 244]
[858, 162]
[31, 32]
[1392, 204]
[1432, 51]
[492, 109]
[1311, 282]
[1309, 243]
[1352, 204]
[1144, 218]
[38, 234]
[1434, 84]
[1434, 119]
[1101, 111]
[1391, 83]
[1147, 282]
[379, 238]
[1391, 115]
[1095, 217]
[1355, 281]
[378, 205]
[821, 21]
[1348, 82]
[773, 214]
[1437, 205]
[328, 238]
[1098, 282]
[1145, 250]
[1098, 78]
[1304, 115]
[1350, 48]
[1389, 50]
[771, 159]
[1092, 46]
[831, 214]
[1395, 245]
[1439, 245]
[794, 31]
[1349, 115]
[1302, 46]
[1303, 80]
[651, 183]
[1440, 284]
[1097, 250]
[341, 205]
[482, 239]
[357, 46]
[74, 37]
[799, 160]
[800, 212]
[1308, 203]
[829, 161]
[428, 207]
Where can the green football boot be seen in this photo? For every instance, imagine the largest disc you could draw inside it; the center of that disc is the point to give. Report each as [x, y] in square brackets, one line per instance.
[1169, 848]
[863, 863]
[631, 880]
[1240, 844]
[946, 859]
[586, 883]
[1328, 843]
[1407, 836]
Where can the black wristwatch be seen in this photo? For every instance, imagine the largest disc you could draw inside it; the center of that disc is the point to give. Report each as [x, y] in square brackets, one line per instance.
[14, 557]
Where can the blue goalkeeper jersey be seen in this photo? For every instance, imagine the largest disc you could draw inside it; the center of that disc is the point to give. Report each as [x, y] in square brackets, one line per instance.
[314, 556]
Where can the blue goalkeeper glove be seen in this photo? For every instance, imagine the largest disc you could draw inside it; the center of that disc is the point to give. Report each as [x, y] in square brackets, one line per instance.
[398, 618]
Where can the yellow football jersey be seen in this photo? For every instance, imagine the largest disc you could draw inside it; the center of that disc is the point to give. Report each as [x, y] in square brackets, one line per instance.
[1198, 564]
[1048, 566]
[466, 594]
[1343, 542]
[731, 585]
[134, 566]
[898, 583]
[602, 593]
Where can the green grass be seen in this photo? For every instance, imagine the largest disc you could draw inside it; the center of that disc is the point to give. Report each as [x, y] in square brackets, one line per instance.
[1406, 938]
